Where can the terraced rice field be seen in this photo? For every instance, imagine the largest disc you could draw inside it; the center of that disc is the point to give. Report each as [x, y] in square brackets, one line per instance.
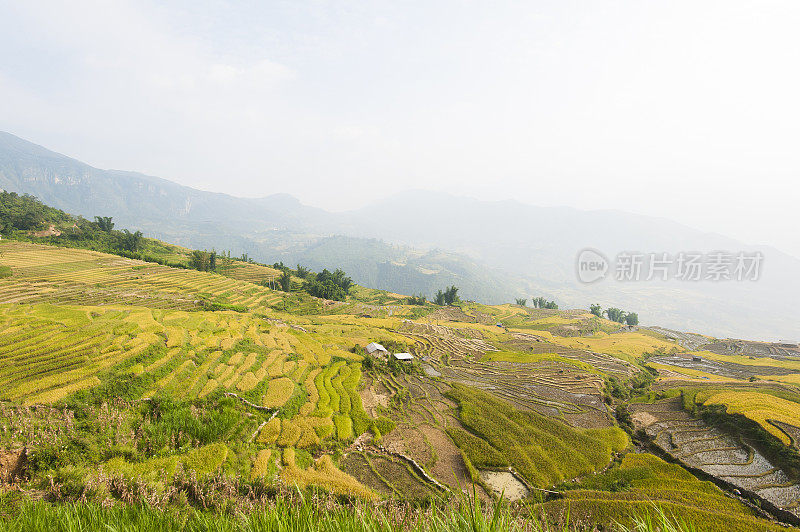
[543, 450]
[48, 352]
[628, 346]
[72, 319]
[389, 476]
[765, 409]
[552, 389]
[246, 271]
[59, 275]
[755, 349]
[689, 341]
[732, 370]
[423, 416]
[604, 363]
[651, 481]
[724, 456]
[567, 385]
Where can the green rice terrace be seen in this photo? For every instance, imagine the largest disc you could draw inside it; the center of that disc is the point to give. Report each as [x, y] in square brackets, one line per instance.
[172, 398]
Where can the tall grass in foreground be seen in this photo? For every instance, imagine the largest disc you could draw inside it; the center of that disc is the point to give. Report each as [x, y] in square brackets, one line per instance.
[283, 517]
[659, 521]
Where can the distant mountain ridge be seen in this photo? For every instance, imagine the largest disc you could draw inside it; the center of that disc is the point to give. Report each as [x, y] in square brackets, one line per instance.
[494, 251]
[76, 187]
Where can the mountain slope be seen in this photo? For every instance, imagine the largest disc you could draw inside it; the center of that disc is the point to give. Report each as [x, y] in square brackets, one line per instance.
[78, 188]
[493, 250]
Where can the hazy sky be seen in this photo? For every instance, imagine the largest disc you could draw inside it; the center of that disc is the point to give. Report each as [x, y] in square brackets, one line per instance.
[688, 110]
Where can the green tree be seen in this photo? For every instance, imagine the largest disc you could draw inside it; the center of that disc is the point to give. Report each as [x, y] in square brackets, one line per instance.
[341, 280]
[329, 285]
[131, 241]
[615, 314]
[417, 300]
[632, 318]
[439, 299]
[302, 271]
[325, 290]
[104, 223]
[540, 302]
[203, 261]
[597, 310]
[285, 281]
[521, 301]
[451, 295]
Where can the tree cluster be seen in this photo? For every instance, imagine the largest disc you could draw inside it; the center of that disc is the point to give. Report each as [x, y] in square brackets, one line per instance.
[104, 223]
[540, 302]
[417, 300]
[447, 297]
[26, 213]
[615, 314]
[203, 261]
[130, 241]
[285, 280]
[302, 272]
[329, 285]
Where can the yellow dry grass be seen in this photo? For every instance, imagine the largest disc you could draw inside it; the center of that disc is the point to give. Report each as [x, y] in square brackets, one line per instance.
[794, 378]
[690, 373]
[628, 345]
[270, 432]
[261, 464]
[323, 474]
[759, 407]
[209, 387]
[248, 382]
[278, 392]
[57, 394]
[290, 433]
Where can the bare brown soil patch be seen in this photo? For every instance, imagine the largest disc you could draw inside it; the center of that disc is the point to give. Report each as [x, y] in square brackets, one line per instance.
[50, 231]
[505, 484]
[12, 465]
[371, 400]
[643, 419]
[449, 468]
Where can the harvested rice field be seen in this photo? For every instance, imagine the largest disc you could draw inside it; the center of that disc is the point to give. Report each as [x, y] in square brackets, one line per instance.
[722, 455]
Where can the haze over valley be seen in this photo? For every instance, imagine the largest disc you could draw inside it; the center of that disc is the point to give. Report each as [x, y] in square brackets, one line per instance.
[417, 241]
